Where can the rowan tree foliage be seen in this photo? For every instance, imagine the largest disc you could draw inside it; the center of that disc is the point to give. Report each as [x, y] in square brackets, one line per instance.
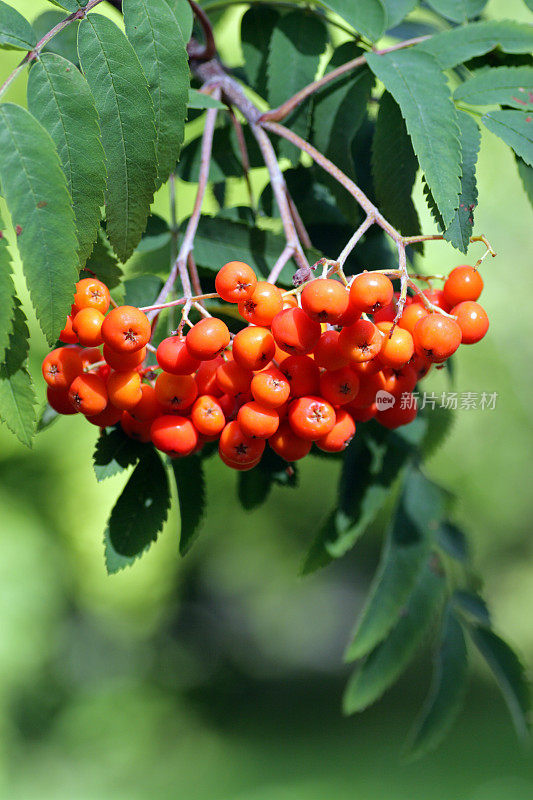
[342, 130]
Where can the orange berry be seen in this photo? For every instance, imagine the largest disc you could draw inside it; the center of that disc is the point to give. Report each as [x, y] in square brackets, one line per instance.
[236, 464]
[396, 350]
[327, 353]
[311, 417]
[400, 380]
[109, 416]
[207, 415]
[173, 356]
[254, 347]
[351, 315]
[233, 379]
[235, 282]
[368, 388]
[124, 389]
[472, 320]
[87, 325]
[387, 313]
[463, 283]
[290, 301]
[148, 407]
[68, 335]
[270, 387]
[136, 428]
[207, 339]
[206, 377]
[287, 444]
[295, 332]
[340, 435]
[257, 420]
[238, 448]
[421, 365]
[398, 414]
[410, 316]
[61, 366]
[265, 302]
[92, 293]
[123, 362]
[360, 341]
[175, 392]
[363, 414]
[90, 355]
[325, 300]
[174, 435]
[126, 329]
[370, 291]
[340, 386]
[58, 399]
[436, 337]
[303, 375]
[436, 296]
[88, 394]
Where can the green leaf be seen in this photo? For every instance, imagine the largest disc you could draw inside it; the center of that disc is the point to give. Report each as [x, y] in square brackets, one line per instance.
[472, 606]
[47, 417]
[253, 488]
[409, 541]
[508, 86]
[386, 663]
[103, 263]
[16, 33]
[190, 483]
[459, 230]
[64, 43]
[142, 290]
[115, 452]
[226, 159]
[198, 99]
[156, 37]
[70, 5]
[515, 128]
[142, 508]
[182, 11]
[417, 84]
[366, 16]
[394, 167]
[526, 176]
[439, 423]
[509, 674]
[397, 10]
[463, 43]
[60, 99]
[17, 397]
[114, 561]
[7, 292]
[36, 193]
[296, 44]
[152, 254]
[452, 541]
[448, 688]
[458, 10]
[257, 26]
[126, 113]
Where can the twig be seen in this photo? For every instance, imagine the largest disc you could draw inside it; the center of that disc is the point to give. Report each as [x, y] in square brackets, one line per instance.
[286, 254]
[179, 302]
[404, 283]
[193, 272]
[244, 157]
[209, 50]
[364, 226]
[300, 227]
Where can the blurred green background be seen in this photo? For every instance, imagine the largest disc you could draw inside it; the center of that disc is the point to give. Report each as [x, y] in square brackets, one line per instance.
[220, 676]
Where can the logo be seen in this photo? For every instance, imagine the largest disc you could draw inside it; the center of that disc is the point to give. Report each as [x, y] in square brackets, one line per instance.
[384, 400]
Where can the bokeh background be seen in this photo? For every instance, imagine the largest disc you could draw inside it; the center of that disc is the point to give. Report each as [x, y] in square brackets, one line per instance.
[220, 676]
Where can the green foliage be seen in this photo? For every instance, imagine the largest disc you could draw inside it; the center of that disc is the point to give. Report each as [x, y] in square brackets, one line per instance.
[452, 541]
[368, 17]
[7, 291]
[510, 86]
[103, 263]
[451, 48]
[460, 228]
[16, 33]
[526, 176]
[197, 99]
[17, 397]
[37, 196]
[64, 43]
[516, 130]
[257, 26]
[190, 485]
[182, 11]
[115, 452]
[472, 606]
[127, 121]
[458, 10]
[60, 99]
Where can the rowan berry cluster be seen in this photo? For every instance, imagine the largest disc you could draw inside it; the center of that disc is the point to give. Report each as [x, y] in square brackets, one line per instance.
[309, 366]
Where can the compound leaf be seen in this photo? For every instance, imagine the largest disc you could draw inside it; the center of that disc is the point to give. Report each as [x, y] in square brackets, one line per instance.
[16, 33]
[459, 230]
[508, 86]
[464, 42]
[516, 130]
[17, 397]
[7, 292]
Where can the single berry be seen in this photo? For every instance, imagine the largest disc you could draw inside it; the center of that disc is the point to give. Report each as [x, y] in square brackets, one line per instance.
[175, 392]
[311, 417]
[58, 399]
[463, 283]
[173, 356]
[340, 435]
[235, 282]
[88, 394]
[124, 389]
[295, 332]
[92, 293]
[270, 387]
[238, 448]
[109, 416]
[126, 329]
[233, 379]
[287, 445]
[396, 348]
[327, 353]
[360, 341]
[253, 347]
[257, 420]
[207, 415]
[123, 362]
[325, 300]
[402, 412]
[207, 339]
[436, 337]
[265, 302]
[472, 320]
[370, 291]
[174, 435]
[302, 374]
[61, 366]
[87, 325]
[340, 386]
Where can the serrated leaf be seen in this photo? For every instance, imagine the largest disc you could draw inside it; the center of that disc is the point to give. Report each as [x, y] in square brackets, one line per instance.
[447, 691]
[65, 42]
[102, 263]
[257, 26]
[526, 176]
[463, 43]
[509, 674]
[114, 561]
[296, 44]
[452, 541]
[7, 292]
[394, 167]
[458, 10]
[37, 196]
[16, 33]
[115, 452]
[17, 397]
[397, 10]
[127, 122]
[473, 606]
[459, 230]
[142, 508]
[515, 128]
[508, 86]
[366, 16]
[196, 99]
[386, 663]
[47, 417]
[190, 483]
[418, 85]
[405, 552]
[60, 99]
[156, 37]
[182, 11]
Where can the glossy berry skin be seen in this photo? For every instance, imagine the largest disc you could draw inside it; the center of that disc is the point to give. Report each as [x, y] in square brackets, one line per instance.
[88, 394]
[92, 293]
[396, 349]
[325, 300]
[360, 341]
[207, 339]
[89, 356]
[311, 417]
[253, 348]
[58, 400]
[295, 332]
[87, 326]
[261, 308]
[238, 448]
[173, 356]
[148, 407]
[270, 387]
[386, 314]
[370, 291]
[400, 380]
[233, 379]
[235, 282]
[340, 386]
[395, 416]
[436, 296]
[61, 366]
[175, 392]
[206, 377]
[257, 420]
[463, 283]
[135, 428]
[174, 435]
[340, 435]
[126, 329]
[207, 415]
[351, 315]
[368, 388]
[302, 374]
[410, 316]
[436, 337]
[287, 445]
[236, 465]
[109, 416]
[472, 320]
[327, 353]
[123, 362]
[124, 389]
[68, 335]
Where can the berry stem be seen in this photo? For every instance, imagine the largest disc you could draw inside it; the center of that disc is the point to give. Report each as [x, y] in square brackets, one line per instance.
[181, 301]
[364, 226]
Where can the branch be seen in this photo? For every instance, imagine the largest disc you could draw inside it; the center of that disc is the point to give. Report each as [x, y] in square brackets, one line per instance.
[209, 50]
[364, 226]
